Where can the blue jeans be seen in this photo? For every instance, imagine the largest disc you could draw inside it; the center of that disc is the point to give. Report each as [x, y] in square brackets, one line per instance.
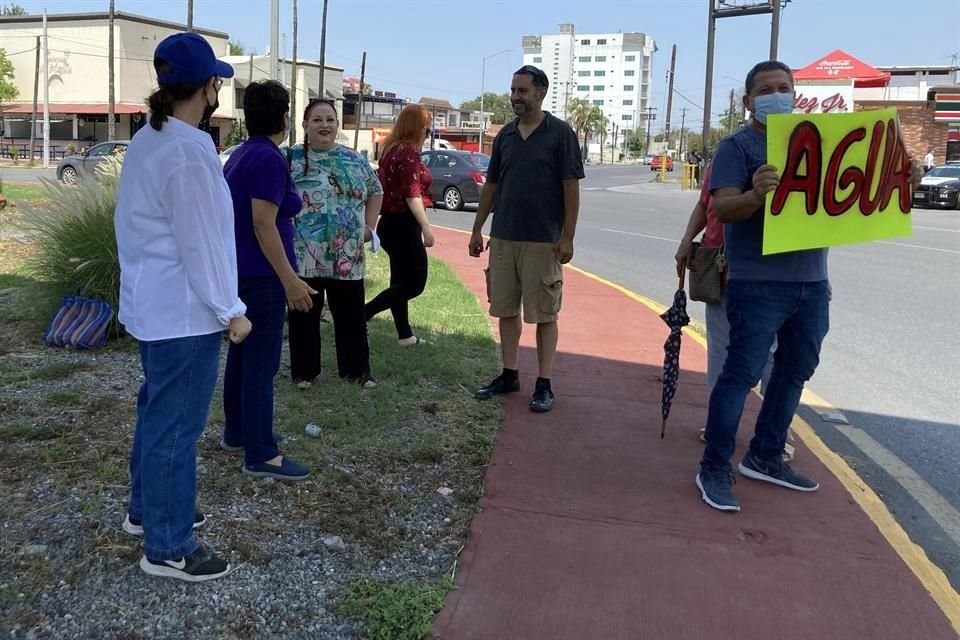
[172, 409]
[797, 316]
[718, 339]
[252, 366]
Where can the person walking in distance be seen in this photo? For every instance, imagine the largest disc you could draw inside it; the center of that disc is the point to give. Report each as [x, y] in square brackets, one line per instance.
[403, 228]
[533, 181]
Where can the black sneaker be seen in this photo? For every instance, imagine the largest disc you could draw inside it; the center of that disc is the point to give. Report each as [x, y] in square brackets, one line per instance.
[543, 397]
[500, 385]
[135, 527]
[199, 566]
[775, 471]
[716, 489]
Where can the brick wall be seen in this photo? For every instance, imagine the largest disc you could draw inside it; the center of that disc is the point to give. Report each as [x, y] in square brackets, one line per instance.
[920, 131]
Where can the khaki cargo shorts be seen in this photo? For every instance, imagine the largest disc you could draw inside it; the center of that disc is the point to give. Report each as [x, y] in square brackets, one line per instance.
[526, 273]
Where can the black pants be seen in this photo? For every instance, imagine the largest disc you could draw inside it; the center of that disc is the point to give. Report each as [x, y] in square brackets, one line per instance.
[402, 239]
[349, 328]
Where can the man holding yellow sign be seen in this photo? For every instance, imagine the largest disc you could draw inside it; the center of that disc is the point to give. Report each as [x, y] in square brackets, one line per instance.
[777, 287]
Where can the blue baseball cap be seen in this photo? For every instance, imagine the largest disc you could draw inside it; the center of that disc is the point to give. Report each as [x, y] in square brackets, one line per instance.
[191, 60]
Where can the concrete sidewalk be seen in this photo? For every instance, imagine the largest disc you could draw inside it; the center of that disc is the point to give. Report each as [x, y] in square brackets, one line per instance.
[591, 526]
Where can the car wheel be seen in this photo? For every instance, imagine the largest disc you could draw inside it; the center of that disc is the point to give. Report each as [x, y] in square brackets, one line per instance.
[452, 199]
[68, 175]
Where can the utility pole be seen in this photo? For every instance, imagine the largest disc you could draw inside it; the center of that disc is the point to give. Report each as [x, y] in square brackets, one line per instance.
[683, 120]
[649, 116]
[293, 80]
[250, 72]
[730, 114]
[189, 15]
[323, 48]
[46, 94]
[36, 90]
[774, 28]
[433, 126]
[673, 68]
[356, 131]
[283, 61]
[708, 83]
[274, 39]
[111, 94]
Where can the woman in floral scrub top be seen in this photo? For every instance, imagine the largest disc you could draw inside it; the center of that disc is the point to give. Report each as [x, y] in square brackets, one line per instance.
[341, 200]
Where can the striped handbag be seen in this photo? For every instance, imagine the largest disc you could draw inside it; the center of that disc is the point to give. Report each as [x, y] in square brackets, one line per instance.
[80, 323]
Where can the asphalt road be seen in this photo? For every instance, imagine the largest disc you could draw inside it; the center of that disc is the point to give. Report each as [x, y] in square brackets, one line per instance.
[890, 363]
[12, 173]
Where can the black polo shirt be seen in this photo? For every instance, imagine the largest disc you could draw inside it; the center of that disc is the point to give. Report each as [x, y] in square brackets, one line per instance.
[528, 203]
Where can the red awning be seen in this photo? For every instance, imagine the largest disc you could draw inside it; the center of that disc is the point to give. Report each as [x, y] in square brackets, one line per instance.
[839, 65]
[95, 109]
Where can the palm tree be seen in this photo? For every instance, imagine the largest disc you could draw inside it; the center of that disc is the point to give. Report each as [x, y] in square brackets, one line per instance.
[578, 113]
[594, 122]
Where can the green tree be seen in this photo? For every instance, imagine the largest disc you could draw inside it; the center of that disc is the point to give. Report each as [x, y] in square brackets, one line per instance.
[12, 10]
[496, 104]
[236, 48]
[635, 141]
[8, 90]
[730, 120]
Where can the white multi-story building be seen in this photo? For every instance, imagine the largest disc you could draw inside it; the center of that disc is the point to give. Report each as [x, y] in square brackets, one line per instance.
[610, 70]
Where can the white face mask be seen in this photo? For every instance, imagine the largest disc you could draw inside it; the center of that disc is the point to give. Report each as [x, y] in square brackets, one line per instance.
[772, 103]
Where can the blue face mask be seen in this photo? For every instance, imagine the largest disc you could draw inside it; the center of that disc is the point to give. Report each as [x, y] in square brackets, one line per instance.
[772, 103]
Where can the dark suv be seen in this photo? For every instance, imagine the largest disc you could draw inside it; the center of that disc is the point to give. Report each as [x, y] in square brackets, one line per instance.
[458, 176]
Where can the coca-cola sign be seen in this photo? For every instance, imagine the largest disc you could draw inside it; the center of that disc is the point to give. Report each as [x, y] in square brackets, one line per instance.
[823, 99]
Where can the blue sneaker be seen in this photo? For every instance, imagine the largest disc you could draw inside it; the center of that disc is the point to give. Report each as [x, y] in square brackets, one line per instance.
[716, 488]
[289, 469]
[134, 526]
[775, 471]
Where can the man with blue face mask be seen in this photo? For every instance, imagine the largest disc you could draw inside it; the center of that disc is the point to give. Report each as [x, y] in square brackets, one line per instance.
[784, 296]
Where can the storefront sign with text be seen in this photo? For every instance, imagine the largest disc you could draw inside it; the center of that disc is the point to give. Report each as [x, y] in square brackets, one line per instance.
[844, 178]
[823, 99]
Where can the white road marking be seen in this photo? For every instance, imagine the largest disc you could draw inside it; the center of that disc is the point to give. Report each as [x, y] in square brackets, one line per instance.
[917, 226]
[926, 496]
[641, 235]
[917, 246]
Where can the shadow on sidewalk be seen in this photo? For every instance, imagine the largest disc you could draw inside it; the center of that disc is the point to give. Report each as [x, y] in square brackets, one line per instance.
[591, 526]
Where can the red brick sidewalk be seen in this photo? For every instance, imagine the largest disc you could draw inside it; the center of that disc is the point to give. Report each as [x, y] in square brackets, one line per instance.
[592, 528]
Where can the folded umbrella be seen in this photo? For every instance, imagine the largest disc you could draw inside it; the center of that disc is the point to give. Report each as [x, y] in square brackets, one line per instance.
[676, 318]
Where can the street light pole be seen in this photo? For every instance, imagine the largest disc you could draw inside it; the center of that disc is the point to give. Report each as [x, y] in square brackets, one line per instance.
[483, 78]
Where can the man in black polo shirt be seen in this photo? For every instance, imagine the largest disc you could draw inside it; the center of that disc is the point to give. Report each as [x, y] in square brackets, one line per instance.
[533, 180]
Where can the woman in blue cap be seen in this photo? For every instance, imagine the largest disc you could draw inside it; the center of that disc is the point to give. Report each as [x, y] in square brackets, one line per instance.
[178, 293]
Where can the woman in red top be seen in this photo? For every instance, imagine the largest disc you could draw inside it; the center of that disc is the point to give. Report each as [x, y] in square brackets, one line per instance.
[403, 227]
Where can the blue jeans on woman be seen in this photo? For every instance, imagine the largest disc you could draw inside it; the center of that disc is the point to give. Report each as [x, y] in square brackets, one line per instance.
[172, 409]
[252, 366]
[797, 316]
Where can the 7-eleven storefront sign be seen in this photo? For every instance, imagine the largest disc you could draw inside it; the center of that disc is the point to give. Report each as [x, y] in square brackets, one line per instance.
[947, 107]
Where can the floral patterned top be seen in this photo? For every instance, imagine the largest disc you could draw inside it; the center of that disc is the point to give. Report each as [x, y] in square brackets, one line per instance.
[334, 186]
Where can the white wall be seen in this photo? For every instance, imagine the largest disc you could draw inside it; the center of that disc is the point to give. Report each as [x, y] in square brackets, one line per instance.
[78, 52]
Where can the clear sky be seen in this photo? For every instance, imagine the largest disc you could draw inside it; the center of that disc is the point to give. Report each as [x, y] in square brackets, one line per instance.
[435, 47]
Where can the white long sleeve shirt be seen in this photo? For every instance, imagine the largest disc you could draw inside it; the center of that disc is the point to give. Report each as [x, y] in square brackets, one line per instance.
[175, 236]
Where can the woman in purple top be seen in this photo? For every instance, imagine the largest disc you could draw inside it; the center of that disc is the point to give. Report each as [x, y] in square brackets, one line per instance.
[264, 203]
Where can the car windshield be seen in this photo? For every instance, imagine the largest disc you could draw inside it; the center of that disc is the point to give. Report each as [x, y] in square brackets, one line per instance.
[944, 172]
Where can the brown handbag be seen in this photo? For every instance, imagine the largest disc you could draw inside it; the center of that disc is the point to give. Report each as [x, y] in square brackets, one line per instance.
[707, 266]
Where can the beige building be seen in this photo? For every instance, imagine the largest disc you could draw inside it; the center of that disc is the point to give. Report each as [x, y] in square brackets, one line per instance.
[78, 77]
[255, 68]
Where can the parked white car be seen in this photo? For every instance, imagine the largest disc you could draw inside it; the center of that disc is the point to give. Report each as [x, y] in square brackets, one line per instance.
[438, 143]
[225, 154]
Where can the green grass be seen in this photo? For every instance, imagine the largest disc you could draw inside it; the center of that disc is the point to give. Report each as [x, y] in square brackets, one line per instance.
[17, 193]
[402, 611]
[419, 415]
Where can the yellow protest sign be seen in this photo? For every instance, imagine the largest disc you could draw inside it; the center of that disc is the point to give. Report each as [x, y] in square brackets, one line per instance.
[844, 178]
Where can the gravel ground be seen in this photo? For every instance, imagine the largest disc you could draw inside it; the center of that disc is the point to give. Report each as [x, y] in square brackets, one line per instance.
[67, 570]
